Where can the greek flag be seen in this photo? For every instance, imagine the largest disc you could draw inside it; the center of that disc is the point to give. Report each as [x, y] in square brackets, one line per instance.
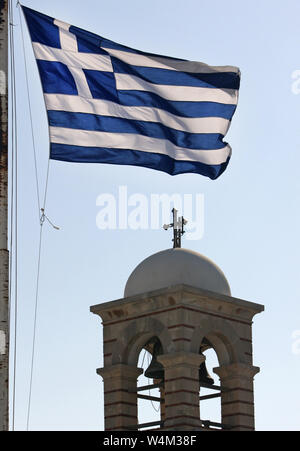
[107, 103]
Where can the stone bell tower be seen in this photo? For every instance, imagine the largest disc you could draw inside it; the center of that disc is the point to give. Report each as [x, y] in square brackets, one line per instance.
[177, 304]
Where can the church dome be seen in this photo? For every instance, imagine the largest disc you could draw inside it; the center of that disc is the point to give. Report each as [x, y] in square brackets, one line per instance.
[174, 267]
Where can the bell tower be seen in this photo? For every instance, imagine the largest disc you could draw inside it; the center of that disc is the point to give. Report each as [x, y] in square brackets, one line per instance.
[176, 305]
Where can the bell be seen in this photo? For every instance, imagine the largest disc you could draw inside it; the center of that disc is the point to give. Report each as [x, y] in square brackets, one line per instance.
[204, 376]
[155, 370]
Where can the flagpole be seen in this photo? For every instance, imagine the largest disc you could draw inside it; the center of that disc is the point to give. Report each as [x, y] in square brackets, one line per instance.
[4, 255]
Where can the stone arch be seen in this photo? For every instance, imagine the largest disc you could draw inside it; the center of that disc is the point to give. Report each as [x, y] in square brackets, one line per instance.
[223, 337]
[135, 335]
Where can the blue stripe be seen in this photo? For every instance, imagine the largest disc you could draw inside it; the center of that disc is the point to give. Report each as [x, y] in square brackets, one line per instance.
[79, 154]
[41, 28]
[184, 109]
[83, 121]
[221, 80]
[87, 42]
[106, 43]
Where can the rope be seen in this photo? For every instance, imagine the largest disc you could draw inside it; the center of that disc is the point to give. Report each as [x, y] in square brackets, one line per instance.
[42, 217]
[42, 220]
[156, 410]
[146, 353]
[34, 326]
[30, 115]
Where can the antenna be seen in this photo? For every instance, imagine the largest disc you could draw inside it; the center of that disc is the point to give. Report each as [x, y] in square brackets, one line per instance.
[178, 228]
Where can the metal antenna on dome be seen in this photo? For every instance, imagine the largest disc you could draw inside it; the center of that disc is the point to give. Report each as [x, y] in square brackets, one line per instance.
[178, 228]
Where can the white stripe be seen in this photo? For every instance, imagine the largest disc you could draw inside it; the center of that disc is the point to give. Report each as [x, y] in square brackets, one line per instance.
[88, 138]
[68, 40]
[165, 63]
[61, 102]
[81, 60]
[179, 93]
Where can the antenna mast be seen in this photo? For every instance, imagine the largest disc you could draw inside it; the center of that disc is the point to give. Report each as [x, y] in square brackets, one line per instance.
[178, 228]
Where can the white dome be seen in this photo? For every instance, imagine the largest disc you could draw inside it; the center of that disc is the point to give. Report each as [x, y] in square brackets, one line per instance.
[174, 267]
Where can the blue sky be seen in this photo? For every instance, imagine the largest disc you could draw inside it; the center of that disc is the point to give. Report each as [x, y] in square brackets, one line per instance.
[251, 213]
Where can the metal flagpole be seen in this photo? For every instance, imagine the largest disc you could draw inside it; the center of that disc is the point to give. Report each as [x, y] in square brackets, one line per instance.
[4, 256]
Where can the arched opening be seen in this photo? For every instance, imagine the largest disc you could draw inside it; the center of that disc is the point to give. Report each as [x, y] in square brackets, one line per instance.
[210, 393]
[150, 386]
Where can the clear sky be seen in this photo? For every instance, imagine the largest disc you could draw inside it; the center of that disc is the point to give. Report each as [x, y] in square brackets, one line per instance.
[251, 213]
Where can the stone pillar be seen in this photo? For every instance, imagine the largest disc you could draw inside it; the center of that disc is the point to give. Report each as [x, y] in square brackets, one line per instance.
[120, 396]
[237, 400]
[181, 391]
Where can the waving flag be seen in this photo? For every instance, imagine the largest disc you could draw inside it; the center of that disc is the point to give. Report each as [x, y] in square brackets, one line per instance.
[107, 103]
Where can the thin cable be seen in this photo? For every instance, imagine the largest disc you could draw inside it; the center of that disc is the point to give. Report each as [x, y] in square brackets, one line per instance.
[41, 219]
[34, 326]
[30, 112]
[46, 185]
[156, 410]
